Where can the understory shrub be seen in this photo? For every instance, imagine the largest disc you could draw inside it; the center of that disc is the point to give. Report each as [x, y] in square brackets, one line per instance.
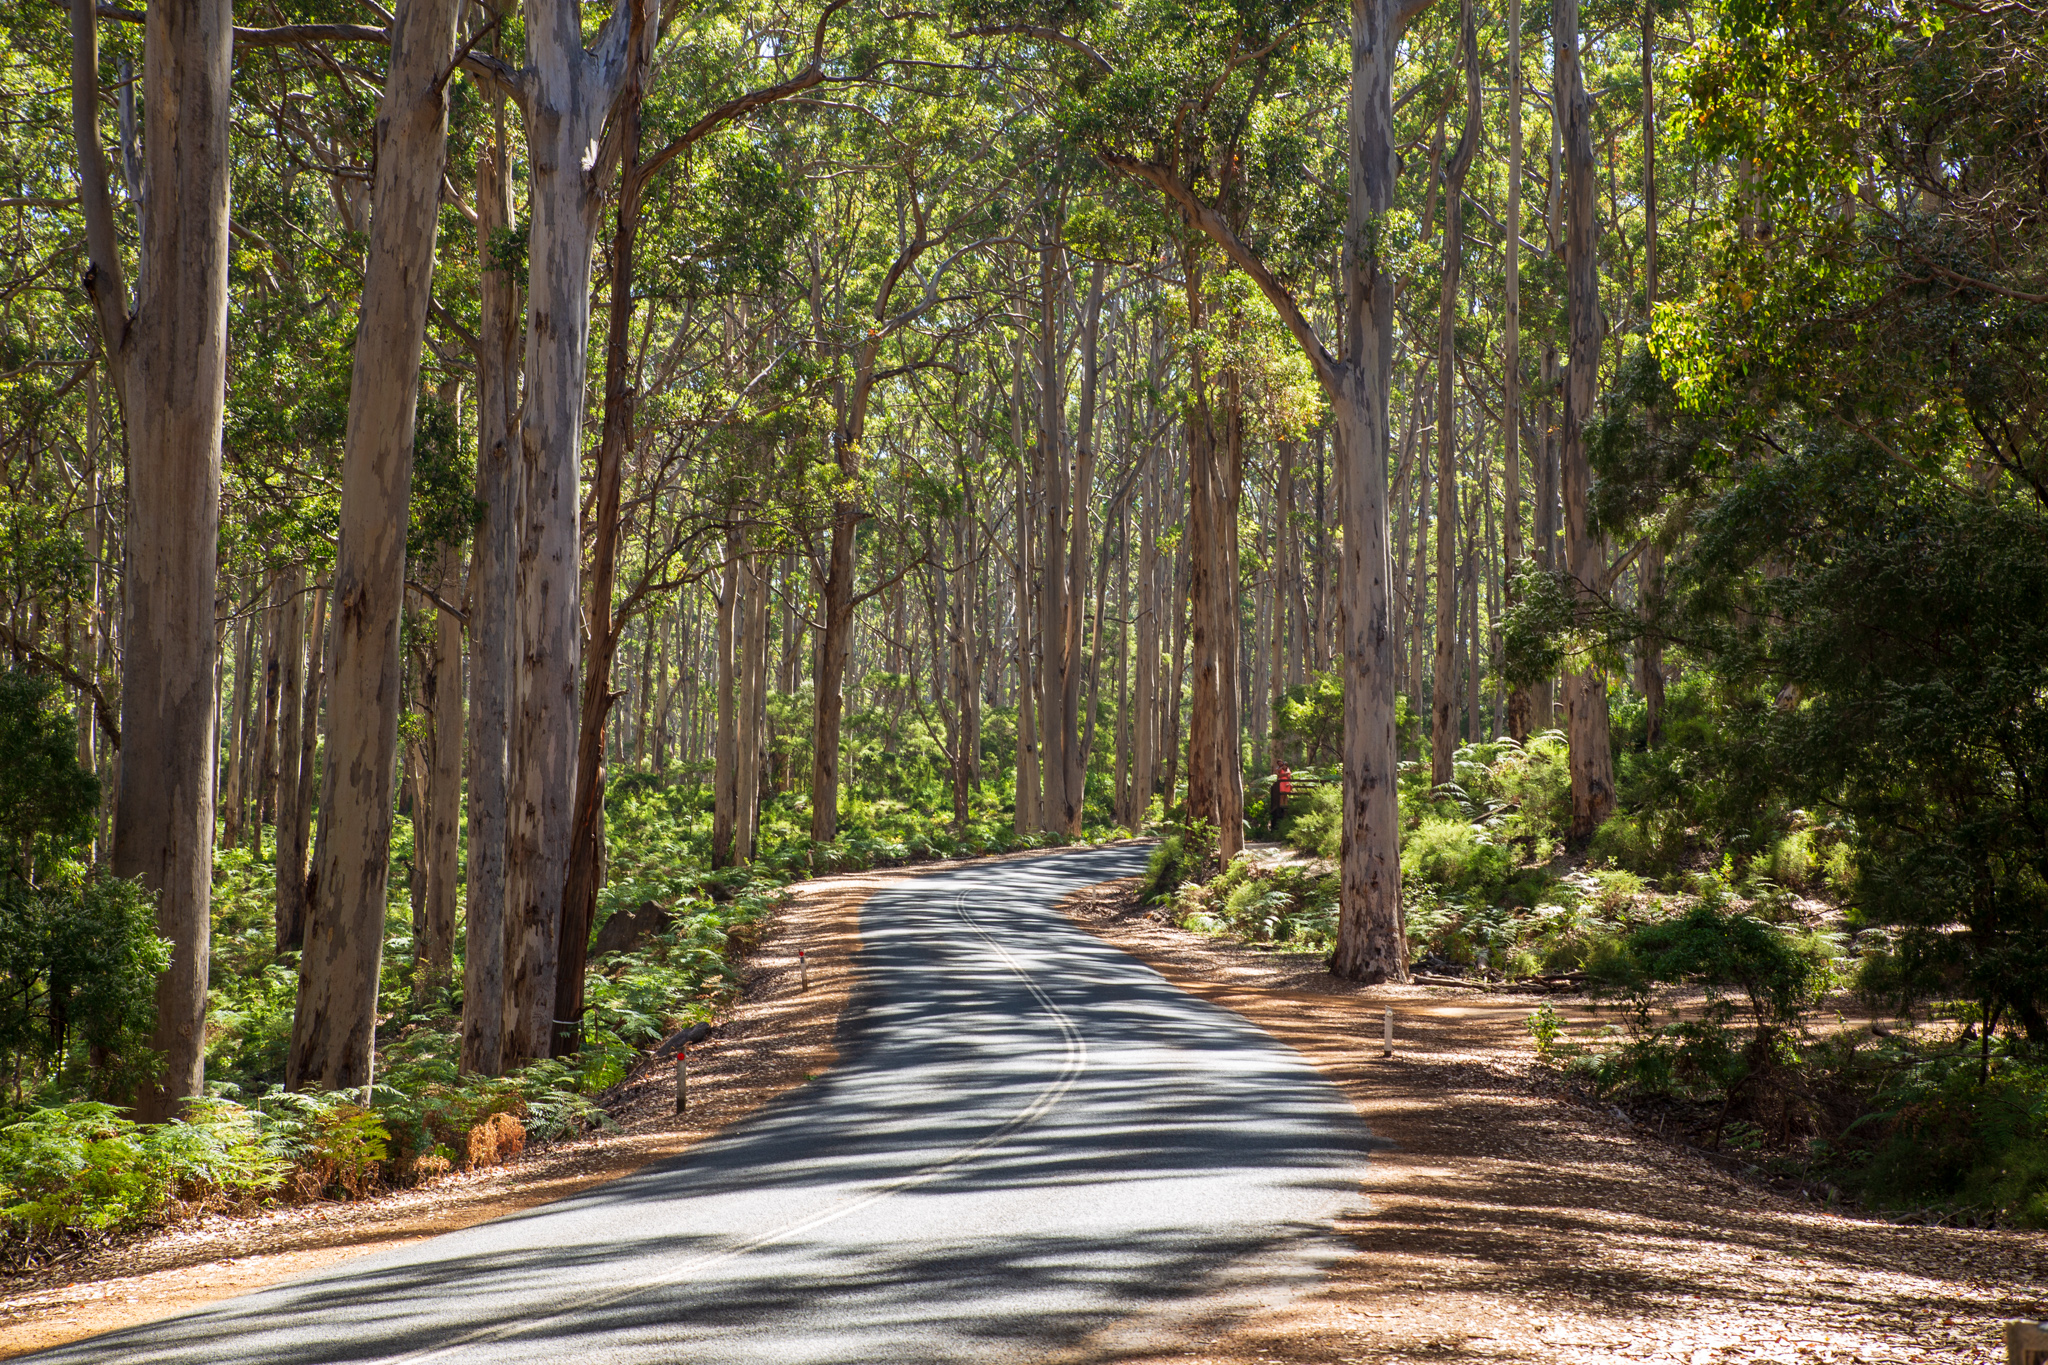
[1287, 905]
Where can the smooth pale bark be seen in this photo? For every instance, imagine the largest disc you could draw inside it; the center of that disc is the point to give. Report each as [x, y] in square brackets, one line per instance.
[334, 1026]
[1444, 676]
[1650, 651]
[289, 885]
[493, 628]
[1372, 942]
[664, 634]
[1176, 680]
[753, 707]
[1229, 489]
[1077, 735]
[1520, 700]
[437, 837]
[1426, 525]
[1058, 588]
[1027, 808]
[960, 626]
[1473, 723]
[584, 874]
[1283, 537]
[1145, 742]
[725, 753]
[264, 772]
[1543, 695]
[231, 782]
[1650, 573]
[1489, 554]
[1121, 743]
[293, 841]
[168, 354]
[1592, 760]
[1204, 559]
[570, 93]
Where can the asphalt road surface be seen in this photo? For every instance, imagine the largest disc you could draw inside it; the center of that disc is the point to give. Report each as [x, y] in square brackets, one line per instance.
[1032, 1149]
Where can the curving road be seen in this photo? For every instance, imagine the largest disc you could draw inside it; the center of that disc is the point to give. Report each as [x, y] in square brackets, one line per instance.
[1033, 1148]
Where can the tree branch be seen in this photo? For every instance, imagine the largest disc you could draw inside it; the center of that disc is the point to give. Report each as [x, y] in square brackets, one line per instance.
[1048, 35]
[104, 282]
[1211, 224]
[109, 725]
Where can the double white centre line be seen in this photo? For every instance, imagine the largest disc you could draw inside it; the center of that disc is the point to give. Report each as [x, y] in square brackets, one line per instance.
[1074, 1061]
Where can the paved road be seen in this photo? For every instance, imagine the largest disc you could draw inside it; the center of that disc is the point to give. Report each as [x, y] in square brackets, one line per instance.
[1032, 1148]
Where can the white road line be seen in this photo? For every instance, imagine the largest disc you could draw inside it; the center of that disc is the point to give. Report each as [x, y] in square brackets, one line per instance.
[1074, 1062]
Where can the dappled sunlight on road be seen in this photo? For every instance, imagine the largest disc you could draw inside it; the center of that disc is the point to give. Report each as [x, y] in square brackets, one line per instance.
[1029, 1138]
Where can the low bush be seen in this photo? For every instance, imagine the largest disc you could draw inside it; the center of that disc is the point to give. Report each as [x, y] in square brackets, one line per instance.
[1288, 905]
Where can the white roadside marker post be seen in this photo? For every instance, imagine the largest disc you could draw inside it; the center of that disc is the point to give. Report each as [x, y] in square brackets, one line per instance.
[2026, 1342]
[1387, 1032]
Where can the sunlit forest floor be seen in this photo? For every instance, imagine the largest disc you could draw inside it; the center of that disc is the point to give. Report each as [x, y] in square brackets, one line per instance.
[1509, 1220]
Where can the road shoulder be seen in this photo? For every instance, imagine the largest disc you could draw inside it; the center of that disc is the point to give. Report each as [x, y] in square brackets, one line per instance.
[777, 1037]
[1503, 1220]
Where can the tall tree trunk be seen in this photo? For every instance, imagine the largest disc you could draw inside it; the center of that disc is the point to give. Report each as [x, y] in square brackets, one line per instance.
[1372, 936]
[440, 848]
[1145, 743]
[1283, 536]
[726, 751]
[1444, 678]
[493, 634]
[1418, 582]
[293, 841]
[169, 359]
[1176, 681]
[1592, 760]
[570, 95]
[753, 707]
[835, 643]
[1058, 588]
[231, 785]
[1473, 545]
[1125, 791]
[334, 1026]
[1520, 701]
[584, 874]
[1543, 696]
[1204, 557]
[1225, 605]
[264, 773]
[960, 625]
[1078, 736]
[1650, 572]
[289, 883]
[1028, 787]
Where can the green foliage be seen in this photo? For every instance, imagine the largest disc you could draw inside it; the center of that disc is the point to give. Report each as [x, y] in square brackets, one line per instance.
[444, 508]
[1317, 826]
[78, 971]
[1782, 974]
[1455, 856]
[1179, 858]
[1311, 719]
[82, 1165]
[1286, 905]
[47, 801]
[1939, 1132]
